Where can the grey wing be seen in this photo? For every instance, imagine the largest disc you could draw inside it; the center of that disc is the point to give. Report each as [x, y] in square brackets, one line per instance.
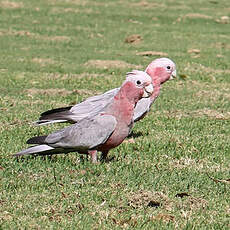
[85, 135]
[142, 107]
[93, 105]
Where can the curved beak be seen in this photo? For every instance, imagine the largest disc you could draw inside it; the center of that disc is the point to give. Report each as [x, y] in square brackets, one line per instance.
[148, 90]
[173, 75]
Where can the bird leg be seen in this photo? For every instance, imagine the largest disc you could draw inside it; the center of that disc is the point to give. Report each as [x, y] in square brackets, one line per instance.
[104, 155]
[93, 154]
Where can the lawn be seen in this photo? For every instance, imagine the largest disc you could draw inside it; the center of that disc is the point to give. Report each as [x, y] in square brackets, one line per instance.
[175, 170]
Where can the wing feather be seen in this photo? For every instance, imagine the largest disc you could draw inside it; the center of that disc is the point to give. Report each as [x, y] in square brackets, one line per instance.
[142, 107]
[85, 135]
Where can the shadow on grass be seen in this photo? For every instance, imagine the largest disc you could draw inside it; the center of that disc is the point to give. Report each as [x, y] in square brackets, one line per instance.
[135, 135]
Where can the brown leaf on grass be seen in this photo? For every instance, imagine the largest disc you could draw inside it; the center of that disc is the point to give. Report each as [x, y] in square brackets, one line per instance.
[193, 51]
[135, 38]
[152, 53]
[225, 181]
[223, 20]
[183, 76]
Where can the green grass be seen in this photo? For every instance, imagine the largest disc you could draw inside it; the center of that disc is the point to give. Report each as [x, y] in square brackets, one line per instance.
[175, 174]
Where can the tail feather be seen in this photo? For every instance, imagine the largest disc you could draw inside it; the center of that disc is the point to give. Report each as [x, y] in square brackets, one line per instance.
[37, 140]
[55, 116]
[38, 149]
[58, 110]
[47, 122]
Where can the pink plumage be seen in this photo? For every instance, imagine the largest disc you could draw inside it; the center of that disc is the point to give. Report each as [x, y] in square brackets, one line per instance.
[160, 70]
[102, 131]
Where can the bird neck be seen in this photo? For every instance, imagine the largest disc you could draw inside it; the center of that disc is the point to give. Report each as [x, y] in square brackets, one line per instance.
[158, 75]
[129, 94]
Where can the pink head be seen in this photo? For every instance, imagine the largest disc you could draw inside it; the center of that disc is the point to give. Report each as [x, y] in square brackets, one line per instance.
[137, 85]
[161, 70]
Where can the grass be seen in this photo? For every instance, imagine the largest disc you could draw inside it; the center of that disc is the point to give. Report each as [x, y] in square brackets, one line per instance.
[175, 172]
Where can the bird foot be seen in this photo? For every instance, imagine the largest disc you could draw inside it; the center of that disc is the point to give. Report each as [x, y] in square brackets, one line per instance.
[93, 154]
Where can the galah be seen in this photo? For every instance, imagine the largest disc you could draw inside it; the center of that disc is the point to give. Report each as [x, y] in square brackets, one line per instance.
[160, 70]
[100, 132]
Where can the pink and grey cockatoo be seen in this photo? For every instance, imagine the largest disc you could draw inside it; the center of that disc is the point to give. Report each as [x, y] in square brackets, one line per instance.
[100, 132]
[160, 70]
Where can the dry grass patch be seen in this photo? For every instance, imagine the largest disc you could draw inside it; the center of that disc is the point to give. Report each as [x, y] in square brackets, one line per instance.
[163, 217]
[199, 68]
[25, 33]
[187, 204]
[31, 102]
[86, 92]
[74, 76]
[75, 2]
[212, 95]
[49, 92]
[144, 3]
[200, 165]
[16, 33]
[205, 112]
[74, 10]
[193, 16]
[43, 61]
[211, 113]
[51, 38]
[197, 15]
[143, 199]
[106, 64]
[221, 45]
[56, 38]
[61, 92]
[11, 4]
[193, 203]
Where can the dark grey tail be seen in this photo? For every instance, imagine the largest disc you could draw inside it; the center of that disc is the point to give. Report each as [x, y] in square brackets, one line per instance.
[52, 111]
[55, 116]
[37, 140]
[37, 150]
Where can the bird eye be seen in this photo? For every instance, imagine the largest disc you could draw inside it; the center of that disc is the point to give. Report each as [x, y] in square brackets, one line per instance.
[168, 67]
[138, 82]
